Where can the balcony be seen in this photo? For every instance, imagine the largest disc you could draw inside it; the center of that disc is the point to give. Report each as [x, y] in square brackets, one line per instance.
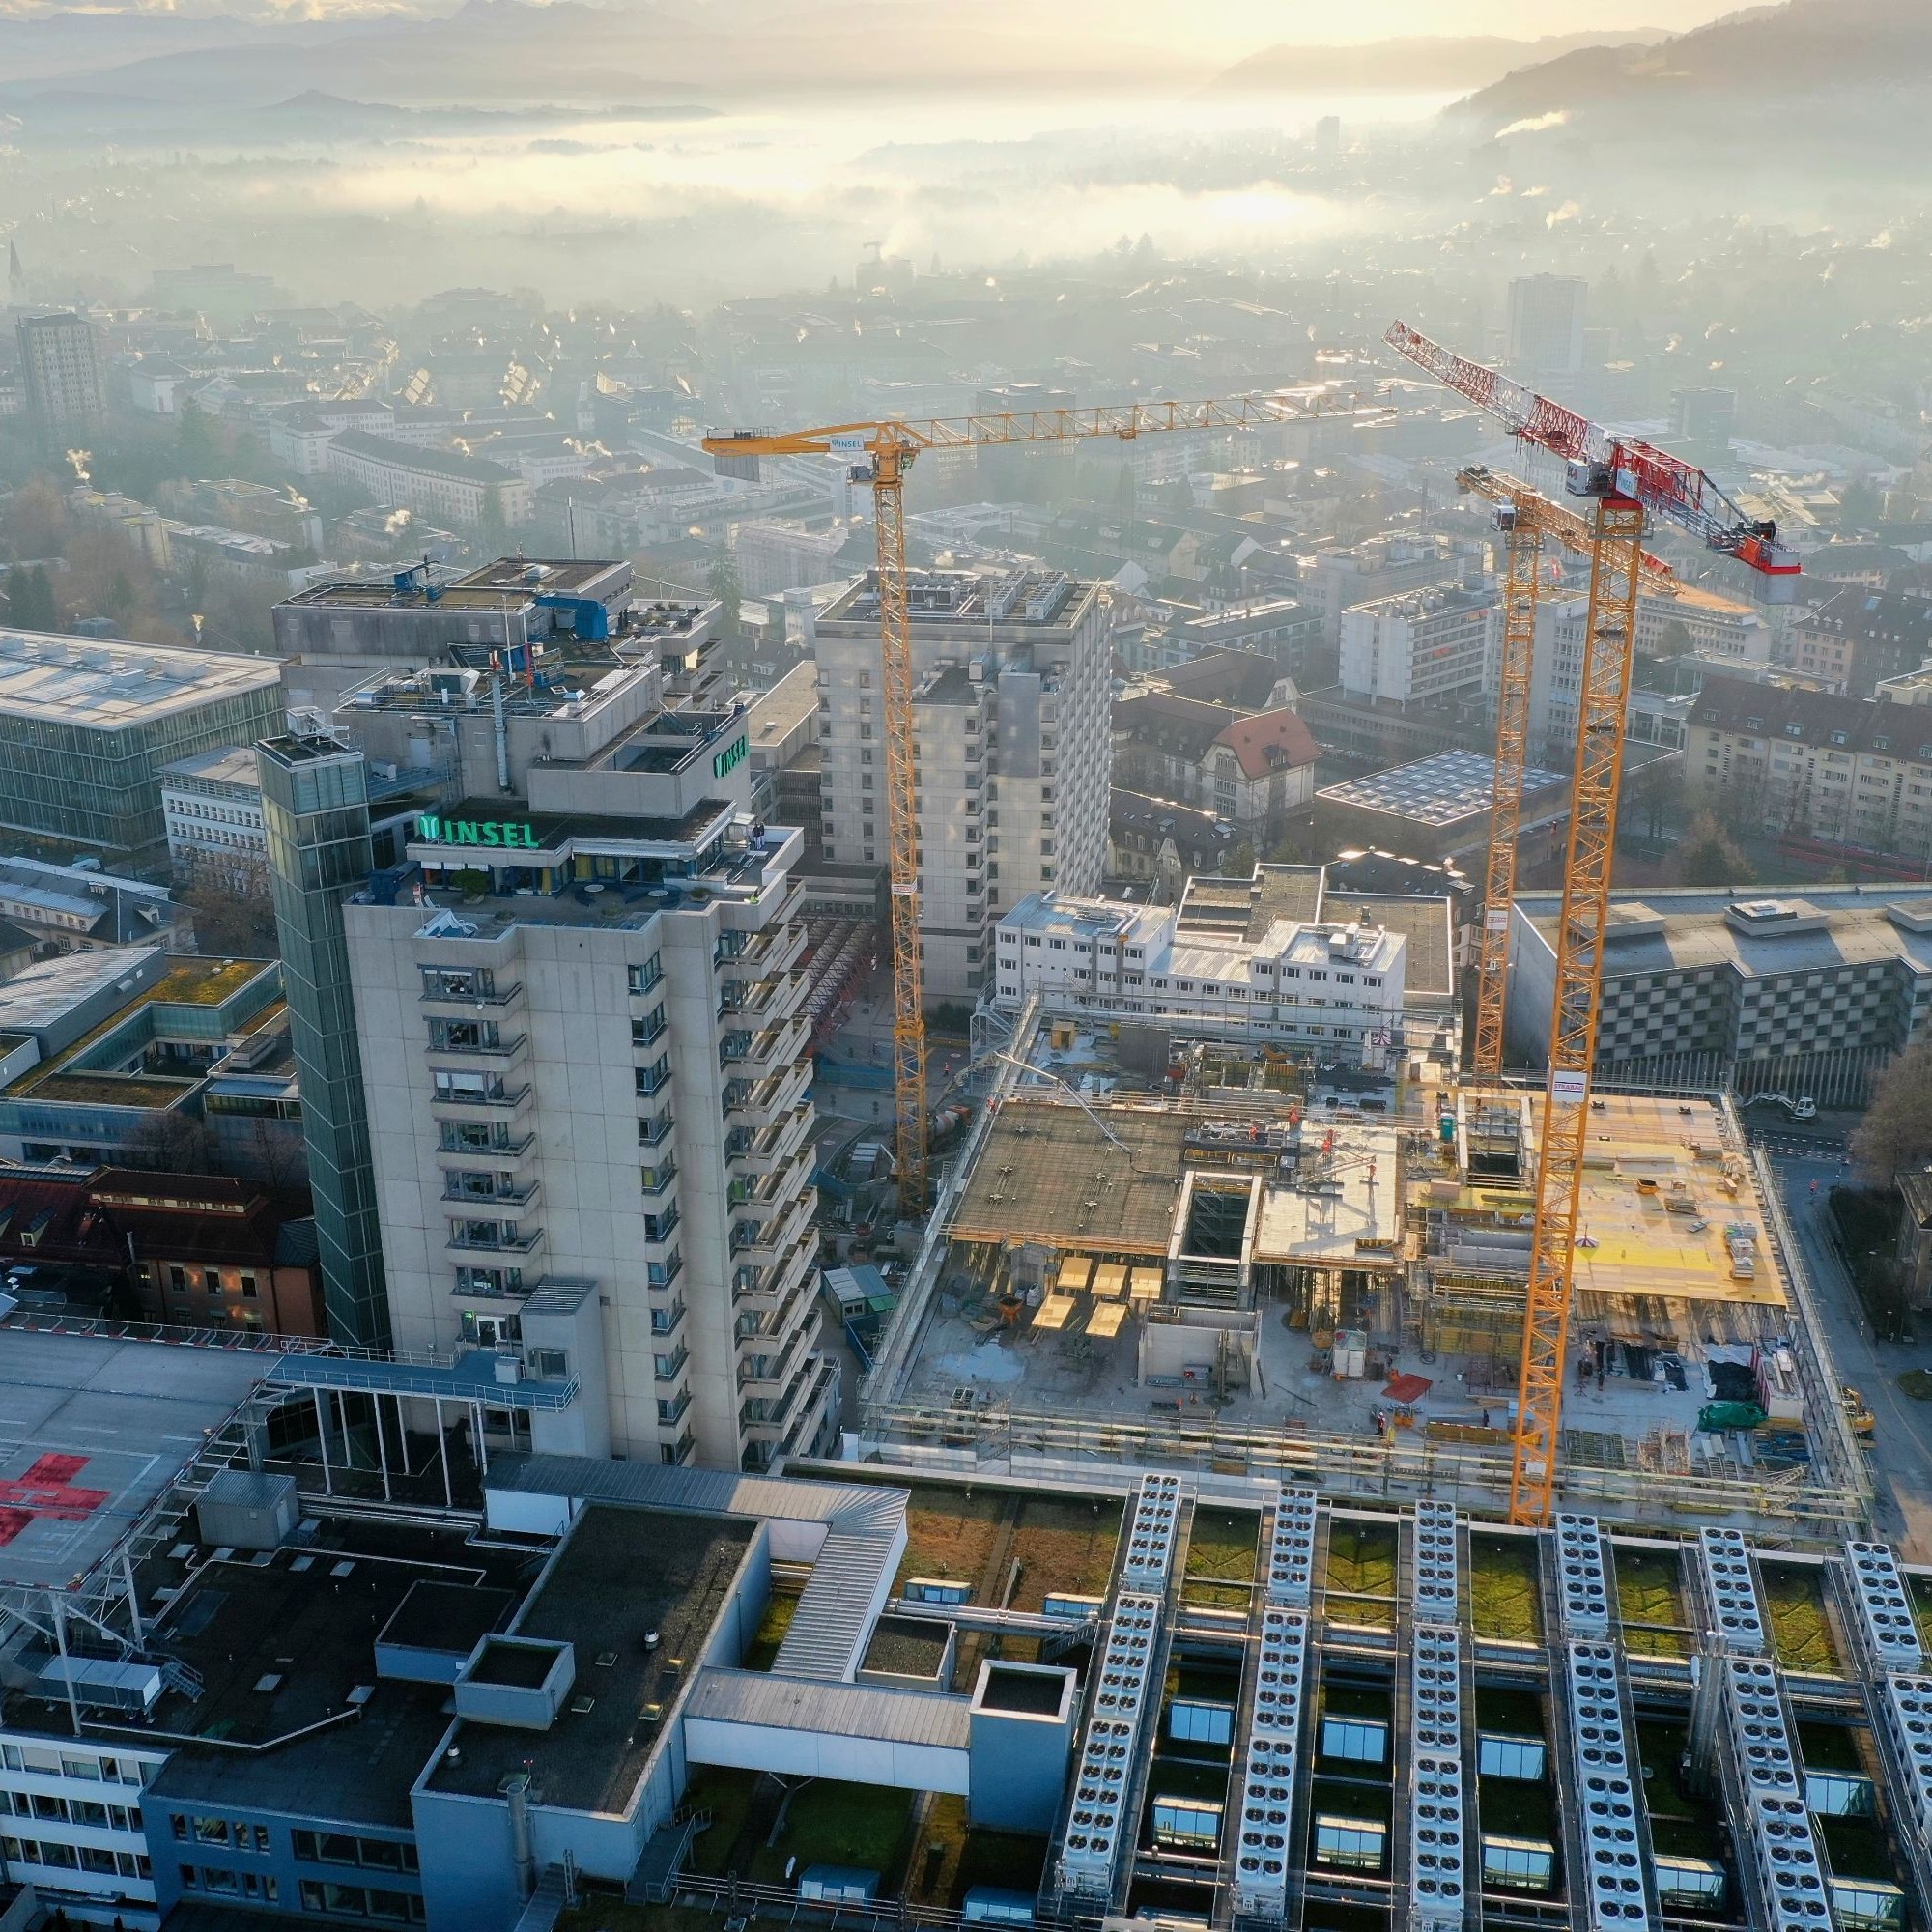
[490, 1048]
[448, 996]
[668, 1368]
[652, 1132]
[506, 1194]
[678, 1453]
[646, 1032]
[764, 1372]
[751, 1056]
[485, 1095]
[460, 1141]
[749, 1153]
[766, 1288]
[659, 1227]
[756, 1244]
[667, 1322]
[671, 1411]
[493, 1238]
[759, 1104]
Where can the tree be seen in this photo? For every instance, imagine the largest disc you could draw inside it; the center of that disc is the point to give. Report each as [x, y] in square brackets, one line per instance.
[1896, 1134]
[172, 1142]
[35, 524]
[1860, 504]
[29, 599]
[1710, 857]
[728, 588]
[493, 526]
[228, 897]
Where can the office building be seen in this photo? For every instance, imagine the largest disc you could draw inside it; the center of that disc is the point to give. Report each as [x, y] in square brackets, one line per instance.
[1803, 994]
[1841, 771]
[315, 805]
[1543, 326]
[86, 729]
[1010, 698]
[1438, 807]
[1378, 567]
[438, 483]
[76, 908]
[584, 1060]
[1419, 647]
[774, 558]
[212, 807]
[107, 1053]
[1335, 987]
[1702, 421]
[60, 364]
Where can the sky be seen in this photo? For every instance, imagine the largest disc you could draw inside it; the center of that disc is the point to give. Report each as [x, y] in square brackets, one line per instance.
[1234, 23]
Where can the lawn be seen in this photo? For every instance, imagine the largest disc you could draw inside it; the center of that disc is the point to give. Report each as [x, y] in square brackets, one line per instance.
[828, 1823]
[1221, 1557]
[1503, 1602]
[1650, 1600]
[951, 1534]
[1361, 1572]
[604, 1911]
[1064, 1544]
[954, 1857]
[763, 1648]
[1795, 1601]
[727, 1796]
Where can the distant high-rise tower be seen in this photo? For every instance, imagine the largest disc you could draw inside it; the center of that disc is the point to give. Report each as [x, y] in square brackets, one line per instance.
[62, 371]
[1328, 136]
[315, 805]
[1701, 423]
[1545, 330]
[16, 290]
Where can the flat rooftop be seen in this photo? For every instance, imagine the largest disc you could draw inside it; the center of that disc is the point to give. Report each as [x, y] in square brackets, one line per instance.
[109, 686]
[1436, 791]
[286, 1643]
[226, 764]
[1247, 908]
[1357, 1222]
[116, 1422]
[621, 1574]
[1049, 1172]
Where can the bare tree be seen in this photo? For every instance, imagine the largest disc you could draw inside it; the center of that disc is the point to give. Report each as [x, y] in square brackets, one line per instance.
[1896, 1134]
[227, 894]
[172, 1142]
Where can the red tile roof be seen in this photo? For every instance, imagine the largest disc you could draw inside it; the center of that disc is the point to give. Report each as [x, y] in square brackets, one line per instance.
[1270, 741]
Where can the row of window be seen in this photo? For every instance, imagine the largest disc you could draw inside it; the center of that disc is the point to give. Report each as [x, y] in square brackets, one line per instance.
[73, 1763]
[210, 1282]
[75, 1858]
[47, 1808]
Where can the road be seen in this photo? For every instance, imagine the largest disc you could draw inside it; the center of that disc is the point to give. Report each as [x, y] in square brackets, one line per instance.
[1901, 1451]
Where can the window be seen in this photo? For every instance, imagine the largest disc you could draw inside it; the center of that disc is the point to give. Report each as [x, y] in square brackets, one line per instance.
[1357, 1844]
[1522, 1759]
[1518, 1864]
[178, 1280]
[642, 979]
[1355, 1740]
[212, 1280]
[1195, 1723]
[249, 1290]
[547, 1365]
[211, 1831]
[1186, 1824]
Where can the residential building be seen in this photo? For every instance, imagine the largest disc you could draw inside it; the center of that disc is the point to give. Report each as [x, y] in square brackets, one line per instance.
[300, 436]
[1419, 647]
[1807, 996]
[1335, 988]
[775, 556]
[86, 729]
[1283, 631]
[315, 808]
[1542, 328]
[60, 364]
[431, 482]
[584, 1056]
[1155, 843]
[212, 807]
[108, 1054]
[1857, 640]
[1009, 698]
[1254, 773]
[1379, 567]
[1915, 1235]
[78, 908]
[1843, 771]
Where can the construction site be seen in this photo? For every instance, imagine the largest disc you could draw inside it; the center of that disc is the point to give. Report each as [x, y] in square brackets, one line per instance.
[1269, 1278]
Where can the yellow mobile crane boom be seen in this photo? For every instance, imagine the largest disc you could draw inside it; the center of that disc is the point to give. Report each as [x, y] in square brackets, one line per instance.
[880, 454]
[1523, 518]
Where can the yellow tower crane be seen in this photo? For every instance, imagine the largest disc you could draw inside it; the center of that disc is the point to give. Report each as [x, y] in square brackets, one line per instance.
[1523, 518]
[1624, 481]
[880, 454]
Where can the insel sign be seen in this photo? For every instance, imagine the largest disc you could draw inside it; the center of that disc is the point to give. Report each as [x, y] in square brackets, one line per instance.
[475, 832]
[733, 754]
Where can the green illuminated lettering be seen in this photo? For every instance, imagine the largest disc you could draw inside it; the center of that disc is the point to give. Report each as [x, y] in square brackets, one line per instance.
[465, 830]
[493, 834]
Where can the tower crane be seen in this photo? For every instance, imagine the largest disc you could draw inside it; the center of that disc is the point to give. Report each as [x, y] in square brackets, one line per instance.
[1624, 481]
[880, 453]
[1525, 518]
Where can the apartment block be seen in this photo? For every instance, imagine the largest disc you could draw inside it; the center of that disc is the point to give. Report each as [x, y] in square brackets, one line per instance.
[1010, 697]
[1377, 567]
[577, 1010]
[775, 556]
[1857, 640]
[1418, 645]
[1845, 771]
[61, 363]
[434, 482]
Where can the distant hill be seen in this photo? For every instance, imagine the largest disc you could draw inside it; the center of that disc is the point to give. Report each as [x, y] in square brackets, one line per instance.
[1856, 62]
[1426, 64]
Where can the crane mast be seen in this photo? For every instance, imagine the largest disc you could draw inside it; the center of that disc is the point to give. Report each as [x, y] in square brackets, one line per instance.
[881, 453]
[1624, 480]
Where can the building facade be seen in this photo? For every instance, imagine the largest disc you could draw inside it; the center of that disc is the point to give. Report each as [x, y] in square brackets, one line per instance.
[1256, 773]
[583, 1057]
[779, 556]
[60, 364]
[1803, 996]
[1011, 690]
[1857, 640]
[1419, 645]
[1334, 989]
[433, 482]
[1544, 326]
[86, 730]
[212, 808]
